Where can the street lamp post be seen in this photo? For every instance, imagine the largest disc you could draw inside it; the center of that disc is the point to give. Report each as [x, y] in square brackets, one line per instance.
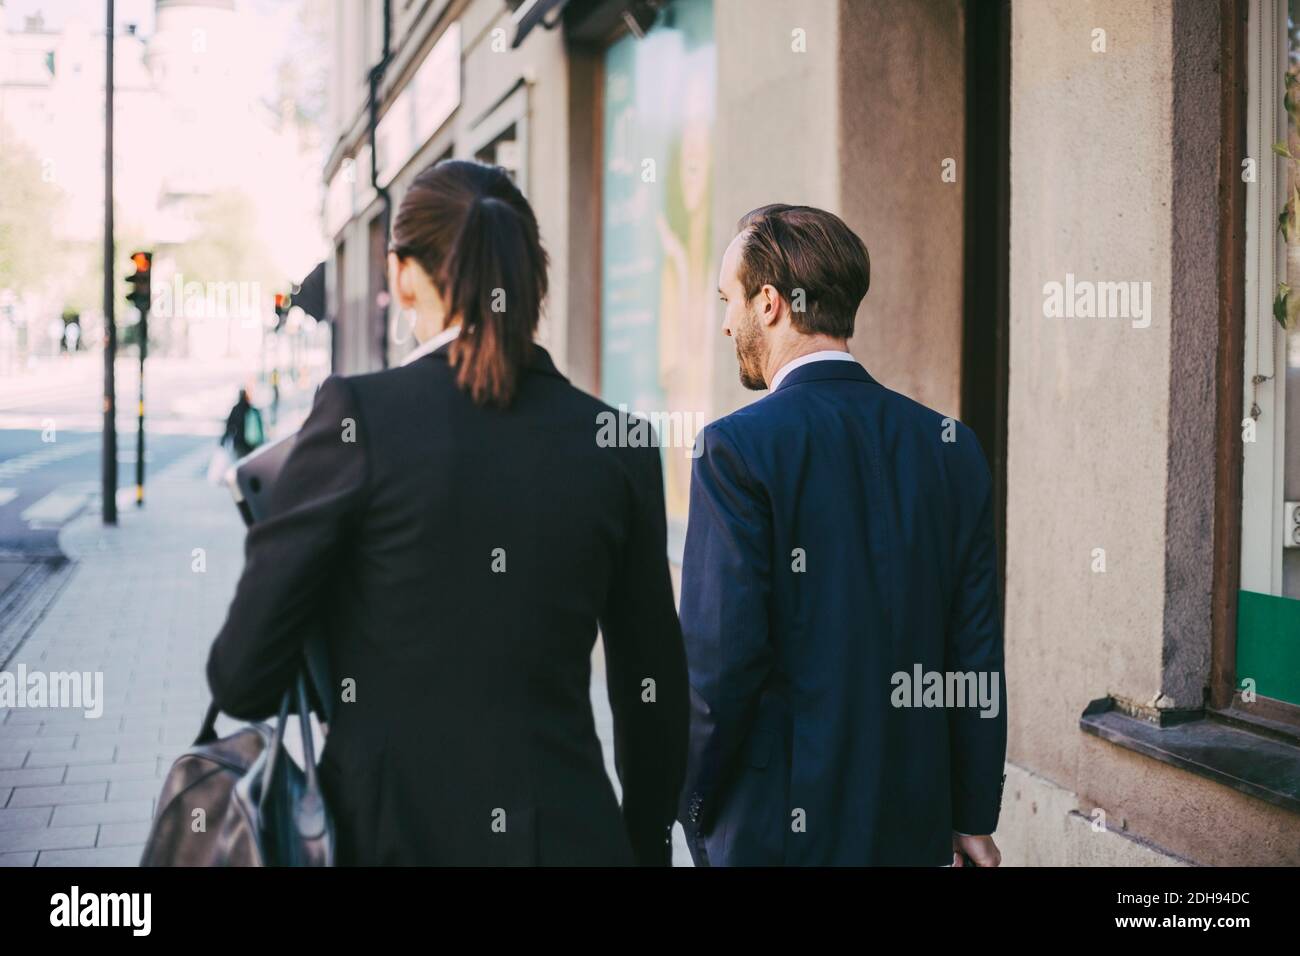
[108, 506]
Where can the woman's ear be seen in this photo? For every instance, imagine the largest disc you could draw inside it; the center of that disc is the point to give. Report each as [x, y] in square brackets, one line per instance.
[400, 281]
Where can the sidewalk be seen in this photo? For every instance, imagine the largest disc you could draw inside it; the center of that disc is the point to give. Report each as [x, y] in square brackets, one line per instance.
[80, 792]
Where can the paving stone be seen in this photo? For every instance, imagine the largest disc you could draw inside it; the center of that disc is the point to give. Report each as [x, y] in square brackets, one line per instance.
[31, 777]
[135, 789]
[144, 769]
[31, 742]
[124, 834]
[96, 856]
[120, 740]
[25, 818]
[69, 758]
[47, 838]
[65, 794]
[105, 726]
[123, 811]
[166, 752]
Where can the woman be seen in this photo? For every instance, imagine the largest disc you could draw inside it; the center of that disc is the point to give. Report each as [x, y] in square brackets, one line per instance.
[457, 531]
[242, 438]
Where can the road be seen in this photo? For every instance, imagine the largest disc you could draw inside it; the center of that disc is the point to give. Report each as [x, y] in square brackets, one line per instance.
[51, 445]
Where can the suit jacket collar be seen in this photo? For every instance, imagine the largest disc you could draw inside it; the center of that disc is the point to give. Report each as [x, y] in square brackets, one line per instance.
[539, 360]
[821, 371]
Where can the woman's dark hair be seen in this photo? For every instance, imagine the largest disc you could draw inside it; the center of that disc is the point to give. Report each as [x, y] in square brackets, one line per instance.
[473, 232]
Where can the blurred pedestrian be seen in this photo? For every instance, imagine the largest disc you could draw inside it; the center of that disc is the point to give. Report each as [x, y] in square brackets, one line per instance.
[457, 530]
[275, 396]
[244, 429]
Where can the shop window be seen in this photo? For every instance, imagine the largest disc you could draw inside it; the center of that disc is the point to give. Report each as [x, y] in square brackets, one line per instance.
[659, 318]
[1268, 619]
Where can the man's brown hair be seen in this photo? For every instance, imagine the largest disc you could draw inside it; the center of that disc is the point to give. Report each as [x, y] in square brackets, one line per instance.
[811, 250]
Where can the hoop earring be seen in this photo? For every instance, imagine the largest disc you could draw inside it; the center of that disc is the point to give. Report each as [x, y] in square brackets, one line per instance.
[405, 337]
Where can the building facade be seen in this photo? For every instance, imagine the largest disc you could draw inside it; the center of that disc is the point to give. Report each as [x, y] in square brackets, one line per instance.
[1071, 210]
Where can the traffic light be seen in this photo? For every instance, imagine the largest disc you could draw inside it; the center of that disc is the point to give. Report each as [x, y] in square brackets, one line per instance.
[281, 309]
[139, 296]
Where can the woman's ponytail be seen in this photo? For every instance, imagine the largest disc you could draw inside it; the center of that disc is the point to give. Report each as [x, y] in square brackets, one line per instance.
[491, 283]
[476, 236]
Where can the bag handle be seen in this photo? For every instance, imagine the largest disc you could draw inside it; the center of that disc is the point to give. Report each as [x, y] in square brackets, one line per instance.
[276, 747]
[308, 737]
[316, 667]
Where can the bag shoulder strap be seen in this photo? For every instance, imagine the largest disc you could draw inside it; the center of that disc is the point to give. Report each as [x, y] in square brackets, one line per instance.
[317, 665]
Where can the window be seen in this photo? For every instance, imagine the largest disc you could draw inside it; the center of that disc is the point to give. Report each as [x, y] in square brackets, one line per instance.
[658, 307]
[1268, 618]
[500, 137]
[504, 152]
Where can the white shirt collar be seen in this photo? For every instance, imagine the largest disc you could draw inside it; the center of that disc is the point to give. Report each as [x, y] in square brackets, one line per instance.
[431, 346]
[835, 355]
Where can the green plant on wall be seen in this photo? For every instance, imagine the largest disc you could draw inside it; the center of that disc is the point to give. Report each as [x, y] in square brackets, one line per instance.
[1286, 305]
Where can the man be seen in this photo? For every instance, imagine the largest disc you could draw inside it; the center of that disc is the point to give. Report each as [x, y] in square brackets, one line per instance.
[839, 596]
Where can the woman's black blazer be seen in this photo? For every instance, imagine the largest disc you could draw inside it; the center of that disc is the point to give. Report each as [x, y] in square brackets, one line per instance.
[458, 560]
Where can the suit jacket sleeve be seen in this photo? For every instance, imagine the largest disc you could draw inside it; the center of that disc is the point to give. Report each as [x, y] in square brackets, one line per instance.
[289, 557]
[978, 743]
[643, 643]
[726, 578]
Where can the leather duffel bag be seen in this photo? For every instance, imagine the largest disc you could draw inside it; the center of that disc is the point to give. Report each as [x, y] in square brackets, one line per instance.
[242, 801]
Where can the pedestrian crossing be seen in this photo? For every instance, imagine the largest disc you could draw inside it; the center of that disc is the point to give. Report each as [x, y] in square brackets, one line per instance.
[126, 423]
[59, 505]
[54, 451]
[55, 508]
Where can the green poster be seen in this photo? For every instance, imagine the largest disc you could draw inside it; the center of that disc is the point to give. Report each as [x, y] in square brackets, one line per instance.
[1268, 645]
[658, 280]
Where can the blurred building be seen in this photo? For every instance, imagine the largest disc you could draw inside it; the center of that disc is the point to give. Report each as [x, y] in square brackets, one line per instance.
[52, 94]
[178, 94]
[1071, 209]
[201, 146]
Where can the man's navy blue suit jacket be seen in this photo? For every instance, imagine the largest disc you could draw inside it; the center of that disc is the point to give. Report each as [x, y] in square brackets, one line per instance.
[840, 534]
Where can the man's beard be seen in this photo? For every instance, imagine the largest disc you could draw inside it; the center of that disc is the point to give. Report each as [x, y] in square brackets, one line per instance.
[751, 353]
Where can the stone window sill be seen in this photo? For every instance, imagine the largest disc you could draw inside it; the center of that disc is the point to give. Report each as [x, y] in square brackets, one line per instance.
[1209, 744]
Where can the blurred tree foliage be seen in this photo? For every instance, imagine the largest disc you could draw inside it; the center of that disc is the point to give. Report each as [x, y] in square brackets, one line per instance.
[303, 72]
[28, 257]
[227, 245]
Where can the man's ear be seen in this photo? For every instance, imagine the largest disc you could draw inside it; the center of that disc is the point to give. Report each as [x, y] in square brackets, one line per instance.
[770, 305]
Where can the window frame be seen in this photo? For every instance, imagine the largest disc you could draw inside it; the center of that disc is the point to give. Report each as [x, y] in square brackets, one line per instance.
[1263, 459]
[512, 109]
[1249, 515]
